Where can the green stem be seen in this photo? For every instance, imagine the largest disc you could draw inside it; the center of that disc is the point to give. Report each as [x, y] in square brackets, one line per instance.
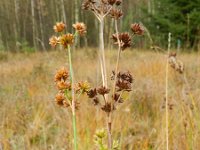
[73, 99]
[75, 132]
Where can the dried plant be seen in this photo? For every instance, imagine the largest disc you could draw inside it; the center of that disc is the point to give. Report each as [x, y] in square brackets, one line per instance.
[69, 93]
[166, 94]
[122, 81]
[176, 64]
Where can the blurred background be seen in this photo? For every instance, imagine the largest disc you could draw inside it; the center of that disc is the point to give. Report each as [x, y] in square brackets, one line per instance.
[26, 25]
[29, 117]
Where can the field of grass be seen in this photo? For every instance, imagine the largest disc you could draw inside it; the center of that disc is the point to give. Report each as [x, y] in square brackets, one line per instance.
[30, 119]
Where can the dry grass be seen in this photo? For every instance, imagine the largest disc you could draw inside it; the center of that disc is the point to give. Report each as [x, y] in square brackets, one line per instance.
[29, 118]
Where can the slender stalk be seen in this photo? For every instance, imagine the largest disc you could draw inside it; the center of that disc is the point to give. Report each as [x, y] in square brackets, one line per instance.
[118, 57]
[109, 116]
[166, 94]
[109, 130]
[102, 49]
[104, 78]
[73, 99]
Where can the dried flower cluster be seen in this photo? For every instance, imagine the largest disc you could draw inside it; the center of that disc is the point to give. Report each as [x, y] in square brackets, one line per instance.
[59, 27]
[63, 84]
[137, 29]
[175, 63]
[102, 8]
[123, 84]
[124, 81]
[62, 76]
[66, 39]
[80, 28]
[125, 38]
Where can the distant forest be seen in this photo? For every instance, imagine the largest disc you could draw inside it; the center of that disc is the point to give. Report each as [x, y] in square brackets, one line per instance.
[28, 24]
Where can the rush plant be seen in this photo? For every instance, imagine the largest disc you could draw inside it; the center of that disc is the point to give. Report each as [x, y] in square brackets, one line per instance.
[104, 96]
[69, 93]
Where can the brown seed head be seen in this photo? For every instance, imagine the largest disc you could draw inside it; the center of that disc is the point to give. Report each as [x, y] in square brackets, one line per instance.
[117, 98]
[118, 2]
[177, 65]
[53, 41]
[86, 5]
[137, 29]
[62, 85]
[124, 81]
[116, 13]
[123, 86]
[125, 76]
[59, 27]
[61, 74]
[66, 40]
[96, 101]
[80, 28]
[124, 38]
[103, 90]
[59, 99]
[92, 93]
[83, 86]
[111, 2]
[107, 107]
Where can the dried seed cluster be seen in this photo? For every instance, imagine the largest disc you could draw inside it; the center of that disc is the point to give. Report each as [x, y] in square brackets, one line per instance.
[62, 77]
[124, 81]
[59, 27]
[66, 39]
[63, 84]
[137, 29]
[80, 28]
[102, 8]
[176, 64]
[123, 84]
[125, 38]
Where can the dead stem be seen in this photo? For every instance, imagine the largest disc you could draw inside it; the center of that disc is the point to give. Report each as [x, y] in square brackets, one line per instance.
[166, 94]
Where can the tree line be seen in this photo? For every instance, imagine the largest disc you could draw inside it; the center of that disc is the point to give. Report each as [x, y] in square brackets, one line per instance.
[27, 24]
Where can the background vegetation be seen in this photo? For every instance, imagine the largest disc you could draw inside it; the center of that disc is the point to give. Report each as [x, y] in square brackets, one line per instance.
[31, 120]
[29, 117]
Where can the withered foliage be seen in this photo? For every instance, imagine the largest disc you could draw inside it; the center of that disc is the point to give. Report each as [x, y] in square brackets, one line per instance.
[176, 64]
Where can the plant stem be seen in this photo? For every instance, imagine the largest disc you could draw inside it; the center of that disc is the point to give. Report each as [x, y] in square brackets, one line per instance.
[102, 49]
[118, 57]
[73, 99]
[166, 94]
[109, 130]
[104, 78]
[109, 117]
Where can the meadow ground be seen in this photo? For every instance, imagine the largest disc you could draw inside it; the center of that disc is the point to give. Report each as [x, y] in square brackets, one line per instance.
[30, 119]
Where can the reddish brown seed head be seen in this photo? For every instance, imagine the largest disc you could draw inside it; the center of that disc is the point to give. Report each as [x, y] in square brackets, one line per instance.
[59, 27]
[137, 29]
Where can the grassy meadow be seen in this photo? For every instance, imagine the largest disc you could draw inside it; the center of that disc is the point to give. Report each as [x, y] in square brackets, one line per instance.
[30, 119]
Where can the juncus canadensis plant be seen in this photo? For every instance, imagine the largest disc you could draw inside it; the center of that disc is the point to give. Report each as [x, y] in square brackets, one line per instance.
[69, 93]
[122, 81]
